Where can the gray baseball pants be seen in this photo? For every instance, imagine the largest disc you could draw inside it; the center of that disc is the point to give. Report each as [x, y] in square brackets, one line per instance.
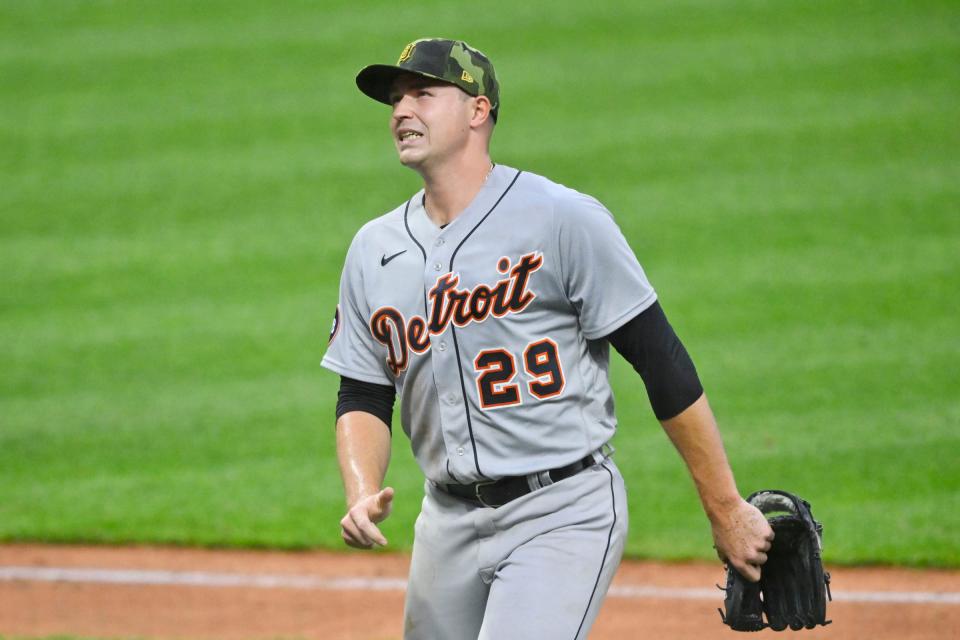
[537, 567]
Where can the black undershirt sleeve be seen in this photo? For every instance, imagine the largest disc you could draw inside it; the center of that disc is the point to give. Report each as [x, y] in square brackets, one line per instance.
[375, 399]
[649, 343]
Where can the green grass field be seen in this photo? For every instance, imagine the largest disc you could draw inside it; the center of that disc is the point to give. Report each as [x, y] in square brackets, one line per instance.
[179, 182]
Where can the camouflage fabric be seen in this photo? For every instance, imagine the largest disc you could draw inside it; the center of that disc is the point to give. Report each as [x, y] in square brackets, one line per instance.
[452, 61]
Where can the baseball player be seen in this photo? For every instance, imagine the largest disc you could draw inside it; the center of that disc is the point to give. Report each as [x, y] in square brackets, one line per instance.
[488, 301]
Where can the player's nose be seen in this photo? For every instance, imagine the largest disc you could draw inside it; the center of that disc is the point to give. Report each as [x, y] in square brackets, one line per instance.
[401, 108]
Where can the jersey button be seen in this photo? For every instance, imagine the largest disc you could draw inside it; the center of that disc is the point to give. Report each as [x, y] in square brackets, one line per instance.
[442, 346]
[439, 242]
[451, 399]
[459, 451]
[437, 266]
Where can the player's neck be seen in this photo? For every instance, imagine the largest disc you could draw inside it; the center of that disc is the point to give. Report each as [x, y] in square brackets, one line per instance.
[448, 190]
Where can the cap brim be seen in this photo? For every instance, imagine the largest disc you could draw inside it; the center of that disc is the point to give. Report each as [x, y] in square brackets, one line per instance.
[376, 80]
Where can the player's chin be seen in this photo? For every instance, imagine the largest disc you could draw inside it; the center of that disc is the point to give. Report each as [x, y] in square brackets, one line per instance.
[410, 157]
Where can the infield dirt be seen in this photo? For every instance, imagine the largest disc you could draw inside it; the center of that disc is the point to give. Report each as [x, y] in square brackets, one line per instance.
[122, 609]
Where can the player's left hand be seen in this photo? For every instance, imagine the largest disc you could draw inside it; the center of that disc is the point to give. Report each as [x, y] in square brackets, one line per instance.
[742, 537]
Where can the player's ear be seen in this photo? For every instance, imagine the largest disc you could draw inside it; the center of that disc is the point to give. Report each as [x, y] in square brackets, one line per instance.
[481, 111]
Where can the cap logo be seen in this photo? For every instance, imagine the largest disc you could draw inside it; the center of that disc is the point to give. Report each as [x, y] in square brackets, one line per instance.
[406, 53]
[466, 77]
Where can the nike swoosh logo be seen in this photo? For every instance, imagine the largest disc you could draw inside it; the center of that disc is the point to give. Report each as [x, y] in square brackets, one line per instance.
[384, 260]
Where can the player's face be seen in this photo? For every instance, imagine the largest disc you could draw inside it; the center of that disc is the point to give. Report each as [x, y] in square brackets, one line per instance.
[430, 121]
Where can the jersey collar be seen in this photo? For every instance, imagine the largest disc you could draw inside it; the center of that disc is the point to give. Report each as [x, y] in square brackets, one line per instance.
[426, 233]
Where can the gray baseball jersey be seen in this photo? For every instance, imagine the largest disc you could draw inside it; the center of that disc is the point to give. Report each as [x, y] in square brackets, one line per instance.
[488, 328]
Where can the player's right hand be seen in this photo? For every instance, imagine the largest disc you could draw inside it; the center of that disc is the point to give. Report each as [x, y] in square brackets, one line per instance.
[359, 526]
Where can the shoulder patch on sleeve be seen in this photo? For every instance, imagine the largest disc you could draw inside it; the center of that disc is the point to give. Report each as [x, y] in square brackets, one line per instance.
[335, 327]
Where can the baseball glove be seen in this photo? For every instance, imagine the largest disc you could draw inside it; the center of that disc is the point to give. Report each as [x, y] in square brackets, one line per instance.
[793, 588]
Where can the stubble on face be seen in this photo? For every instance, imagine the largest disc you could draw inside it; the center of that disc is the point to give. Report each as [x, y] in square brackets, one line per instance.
[430, 121]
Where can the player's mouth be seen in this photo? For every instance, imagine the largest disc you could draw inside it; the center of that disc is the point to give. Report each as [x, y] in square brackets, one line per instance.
[407, 136]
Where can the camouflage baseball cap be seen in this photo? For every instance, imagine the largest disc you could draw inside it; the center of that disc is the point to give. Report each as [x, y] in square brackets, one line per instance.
[452, 61]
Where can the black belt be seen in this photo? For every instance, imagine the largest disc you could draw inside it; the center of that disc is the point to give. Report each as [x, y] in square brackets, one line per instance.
[497, 493]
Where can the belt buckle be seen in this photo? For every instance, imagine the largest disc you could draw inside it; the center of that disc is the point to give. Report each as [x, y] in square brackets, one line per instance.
[476, 492]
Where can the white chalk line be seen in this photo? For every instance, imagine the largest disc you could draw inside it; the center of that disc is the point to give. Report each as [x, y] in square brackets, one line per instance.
[276, 581]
